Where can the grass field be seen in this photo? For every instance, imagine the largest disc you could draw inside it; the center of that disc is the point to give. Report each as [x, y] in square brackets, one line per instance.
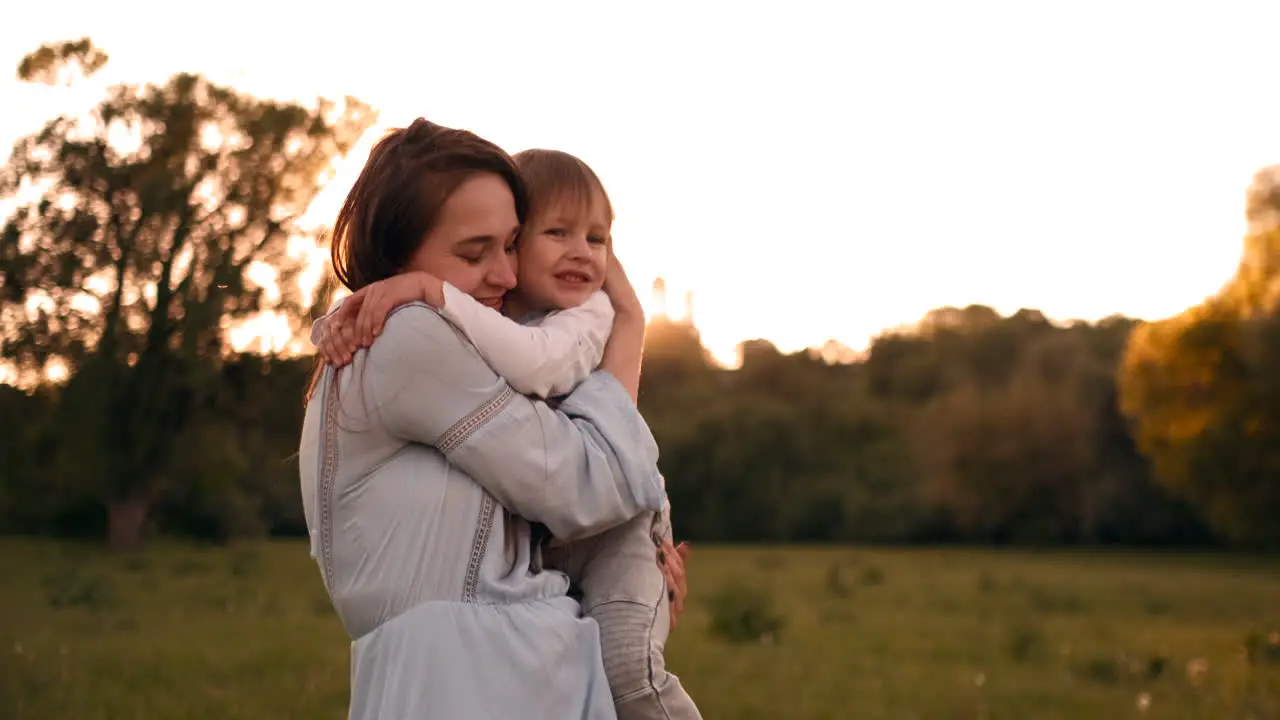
[247, 632]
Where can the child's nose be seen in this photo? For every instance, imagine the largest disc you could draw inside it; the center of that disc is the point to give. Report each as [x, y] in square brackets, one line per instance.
[578, 246]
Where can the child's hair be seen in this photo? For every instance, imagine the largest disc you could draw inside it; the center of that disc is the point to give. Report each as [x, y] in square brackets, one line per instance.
[555, 179]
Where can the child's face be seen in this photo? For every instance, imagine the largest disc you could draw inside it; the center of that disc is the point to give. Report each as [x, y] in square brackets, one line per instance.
[562, 257]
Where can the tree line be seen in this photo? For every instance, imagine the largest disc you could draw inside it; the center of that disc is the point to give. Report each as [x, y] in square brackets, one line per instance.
[125, 261]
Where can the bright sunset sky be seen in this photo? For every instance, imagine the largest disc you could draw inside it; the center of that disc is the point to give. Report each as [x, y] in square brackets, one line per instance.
[811, 170]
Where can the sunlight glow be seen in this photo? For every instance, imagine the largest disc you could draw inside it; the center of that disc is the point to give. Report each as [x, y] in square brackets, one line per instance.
[85, 303]
[124, 138]
[210, 137]
[868, 168]
[57, 370]
[267, 332]
[264, 276]
[727, 357]
[324, 208]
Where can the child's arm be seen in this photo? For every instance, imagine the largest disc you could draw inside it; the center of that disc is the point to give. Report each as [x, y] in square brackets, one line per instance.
[353, 322]
[545, 360]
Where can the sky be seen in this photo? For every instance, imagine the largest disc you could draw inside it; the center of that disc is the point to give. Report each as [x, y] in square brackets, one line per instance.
[810, 170]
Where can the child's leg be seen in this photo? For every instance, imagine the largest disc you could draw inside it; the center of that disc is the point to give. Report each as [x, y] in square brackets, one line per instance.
[624, 590]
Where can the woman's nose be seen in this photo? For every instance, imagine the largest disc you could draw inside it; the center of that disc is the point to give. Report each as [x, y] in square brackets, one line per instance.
[502, 272]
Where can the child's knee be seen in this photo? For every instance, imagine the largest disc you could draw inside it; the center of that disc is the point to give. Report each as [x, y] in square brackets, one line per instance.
[628, 645]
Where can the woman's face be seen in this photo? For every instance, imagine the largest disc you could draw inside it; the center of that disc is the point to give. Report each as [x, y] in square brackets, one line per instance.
[472, 246]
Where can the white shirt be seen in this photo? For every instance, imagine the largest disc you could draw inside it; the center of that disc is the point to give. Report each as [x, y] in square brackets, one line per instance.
[546, 358]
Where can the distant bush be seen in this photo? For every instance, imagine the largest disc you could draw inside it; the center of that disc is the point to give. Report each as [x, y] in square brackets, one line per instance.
[871, 576]
[1263, 648]
[66, 587]
[1026, 643]
[741, 613]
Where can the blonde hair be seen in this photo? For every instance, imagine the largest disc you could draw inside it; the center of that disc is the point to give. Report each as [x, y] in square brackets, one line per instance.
[555, 179]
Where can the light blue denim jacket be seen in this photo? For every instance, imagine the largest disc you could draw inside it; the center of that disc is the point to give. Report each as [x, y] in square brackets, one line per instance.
[421, 471]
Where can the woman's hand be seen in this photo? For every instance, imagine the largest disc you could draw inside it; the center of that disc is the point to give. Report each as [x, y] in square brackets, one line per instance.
[362, 316]
[619, 289]
[672, 561]
[624, 351]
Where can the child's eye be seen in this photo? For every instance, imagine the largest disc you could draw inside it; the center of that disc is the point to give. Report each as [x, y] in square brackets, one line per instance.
[555, 232]
[597, 239]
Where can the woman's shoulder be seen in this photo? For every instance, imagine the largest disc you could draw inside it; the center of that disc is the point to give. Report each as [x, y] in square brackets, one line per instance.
[414, 313]
[417, 321]
[417, 330]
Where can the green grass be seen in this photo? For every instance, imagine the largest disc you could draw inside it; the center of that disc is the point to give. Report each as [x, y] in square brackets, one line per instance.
[181, 632]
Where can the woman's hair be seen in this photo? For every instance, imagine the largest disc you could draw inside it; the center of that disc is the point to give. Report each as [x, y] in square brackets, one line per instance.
[398, 197]
[557, 179]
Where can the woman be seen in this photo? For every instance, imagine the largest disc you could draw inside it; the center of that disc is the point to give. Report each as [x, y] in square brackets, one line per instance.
[420, 478]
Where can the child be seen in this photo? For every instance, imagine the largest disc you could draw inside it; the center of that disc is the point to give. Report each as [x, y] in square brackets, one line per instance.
[563, 254]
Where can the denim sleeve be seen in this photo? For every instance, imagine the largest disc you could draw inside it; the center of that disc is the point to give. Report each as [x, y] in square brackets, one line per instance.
[580, 469]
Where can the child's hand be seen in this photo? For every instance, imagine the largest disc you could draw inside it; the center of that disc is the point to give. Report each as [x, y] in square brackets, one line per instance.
[619, 289]
[361, 317]
[380, 298]
[337, 342]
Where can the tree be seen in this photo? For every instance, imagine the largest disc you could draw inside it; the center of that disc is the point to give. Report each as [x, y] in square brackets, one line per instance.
[1011, 456]
[60, 63]
[150, 215]
[673, 350]
[1202, 393]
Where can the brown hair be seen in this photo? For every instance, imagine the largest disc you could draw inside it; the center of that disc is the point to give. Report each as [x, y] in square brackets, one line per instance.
[397, 199]
[558, 179]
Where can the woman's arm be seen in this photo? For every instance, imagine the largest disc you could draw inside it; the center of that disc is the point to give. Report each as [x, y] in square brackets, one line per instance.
[624, 353]
[585, 468]
[543, 360]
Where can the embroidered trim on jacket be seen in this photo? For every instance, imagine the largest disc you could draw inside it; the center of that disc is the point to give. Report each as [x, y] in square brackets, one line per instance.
[328, 476]
[451, 440]
[466, 427]
[479, 543]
